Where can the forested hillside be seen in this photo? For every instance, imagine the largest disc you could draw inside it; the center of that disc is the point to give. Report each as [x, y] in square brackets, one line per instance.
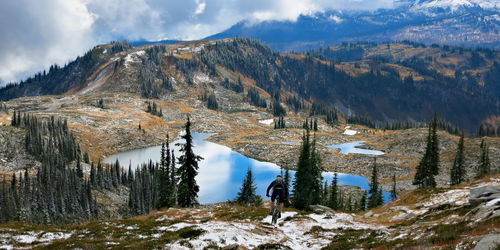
[377, 83]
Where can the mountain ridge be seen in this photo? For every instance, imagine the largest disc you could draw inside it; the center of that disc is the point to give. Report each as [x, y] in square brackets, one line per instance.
[463, 23]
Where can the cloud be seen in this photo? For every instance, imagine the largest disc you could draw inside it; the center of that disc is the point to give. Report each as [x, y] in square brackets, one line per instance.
[38, 33]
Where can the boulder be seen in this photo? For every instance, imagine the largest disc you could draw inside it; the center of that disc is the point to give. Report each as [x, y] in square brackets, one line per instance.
[483, 194]
[368, 214]
[321, 209]
[488, 242]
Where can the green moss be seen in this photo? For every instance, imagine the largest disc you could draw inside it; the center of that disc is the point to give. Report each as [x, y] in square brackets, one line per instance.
[272, 246]
[190, 232]
[444, 233]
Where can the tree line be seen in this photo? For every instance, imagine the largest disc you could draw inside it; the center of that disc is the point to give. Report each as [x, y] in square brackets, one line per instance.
[428, 166]
[56, 192]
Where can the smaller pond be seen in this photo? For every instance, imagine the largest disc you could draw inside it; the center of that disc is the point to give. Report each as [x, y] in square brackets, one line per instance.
[223, 170]
[352, 148]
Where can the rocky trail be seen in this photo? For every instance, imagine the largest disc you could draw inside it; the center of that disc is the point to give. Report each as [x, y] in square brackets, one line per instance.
[461, 217]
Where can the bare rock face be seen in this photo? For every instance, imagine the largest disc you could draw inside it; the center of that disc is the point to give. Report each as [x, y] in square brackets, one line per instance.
[491, 241]
[484, 194]
[321, 209]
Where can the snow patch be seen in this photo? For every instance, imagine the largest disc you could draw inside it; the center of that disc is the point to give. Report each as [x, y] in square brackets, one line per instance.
[201, 78]
[456, 197]
[133, 57]
[267, 121]
[350, 132]
[292, 232]
[31, 237]
[175, 227]
[493, 202]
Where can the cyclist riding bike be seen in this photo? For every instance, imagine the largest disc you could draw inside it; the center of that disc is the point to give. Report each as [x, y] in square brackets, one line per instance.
[279, 189]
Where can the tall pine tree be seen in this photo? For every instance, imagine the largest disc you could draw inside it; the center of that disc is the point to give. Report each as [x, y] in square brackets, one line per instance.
[484, 167]
[375, 194]
[457, 173]
[429, 164]
[307, 186]
[333, 201]
[188, 189]
[247, 195]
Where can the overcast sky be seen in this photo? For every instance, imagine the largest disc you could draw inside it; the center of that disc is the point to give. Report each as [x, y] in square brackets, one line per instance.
[38, 33]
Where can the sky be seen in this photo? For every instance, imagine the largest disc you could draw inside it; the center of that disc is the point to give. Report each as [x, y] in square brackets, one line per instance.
[38, 33]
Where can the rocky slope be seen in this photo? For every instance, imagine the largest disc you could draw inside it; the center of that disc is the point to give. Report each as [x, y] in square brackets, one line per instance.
[461, 217]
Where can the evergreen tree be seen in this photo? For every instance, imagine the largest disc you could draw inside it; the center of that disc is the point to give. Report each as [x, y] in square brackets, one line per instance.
[247, 195]
[188, 189]
[333, 201]
[163, 179]
[375, 194]
[308, 180]
[325, 194]
[429, 164]
[484, 161]
[362, 201]
[212, 102]
[457, 172]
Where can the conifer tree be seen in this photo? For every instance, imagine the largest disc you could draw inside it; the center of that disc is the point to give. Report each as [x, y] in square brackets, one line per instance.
[188, 189]
[308, 180]
[375, 194]
[302, 188]
[173, 180]
[333, 201]
[325, 194]
[484, 161]
[429, 164]
[247, 195]
[457, 172]
[362, 201]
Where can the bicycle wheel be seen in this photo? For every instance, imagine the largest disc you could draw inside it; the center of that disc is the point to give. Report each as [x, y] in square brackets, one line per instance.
[275, 210]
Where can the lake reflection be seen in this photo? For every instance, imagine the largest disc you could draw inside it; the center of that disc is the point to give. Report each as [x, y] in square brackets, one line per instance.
[222, 170]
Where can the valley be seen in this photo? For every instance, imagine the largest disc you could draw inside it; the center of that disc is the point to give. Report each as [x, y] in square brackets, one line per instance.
[256, 102]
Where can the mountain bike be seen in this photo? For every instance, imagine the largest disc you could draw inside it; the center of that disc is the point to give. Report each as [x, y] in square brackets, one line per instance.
[276, 210]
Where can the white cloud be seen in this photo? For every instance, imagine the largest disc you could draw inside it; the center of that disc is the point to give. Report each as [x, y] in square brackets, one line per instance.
[200, 9]
[38, 33]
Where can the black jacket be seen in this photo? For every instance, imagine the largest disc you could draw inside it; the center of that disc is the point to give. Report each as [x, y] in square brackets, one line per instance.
[277, 187]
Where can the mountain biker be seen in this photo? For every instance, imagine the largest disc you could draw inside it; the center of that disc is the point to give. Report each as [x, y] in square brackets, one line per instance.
[279, 188]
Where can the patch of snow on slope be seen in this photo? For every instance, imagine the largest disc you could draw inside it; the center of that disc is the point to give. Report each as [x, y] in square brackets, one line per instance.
[292, 232]
[201, 78]
[456, 197]
[349, 131]
[133, 57]
[267, 121]
[175, 227]
[493, 202]
[28, 238]
[31, 237]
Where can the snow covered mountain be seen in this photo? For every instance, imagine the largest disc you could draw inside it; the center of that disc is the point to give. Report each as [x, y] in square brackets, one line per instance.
[456, 22]
[454, 5]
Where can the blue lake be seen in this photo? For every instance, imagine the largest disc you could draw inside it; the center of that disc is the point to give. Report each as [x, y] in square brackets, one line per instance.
[222, 170]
